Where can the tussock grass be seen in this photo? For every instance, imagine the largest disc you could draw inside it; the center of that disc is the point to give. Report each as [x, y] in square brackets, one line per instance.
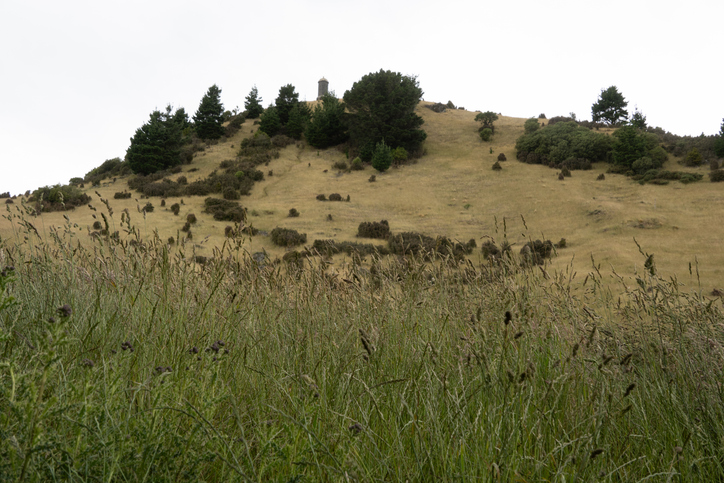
[128, 360]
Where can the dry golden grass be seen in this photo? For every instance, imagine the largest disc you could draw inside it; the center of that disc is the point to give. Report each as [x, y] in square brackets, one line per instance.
[453, 191]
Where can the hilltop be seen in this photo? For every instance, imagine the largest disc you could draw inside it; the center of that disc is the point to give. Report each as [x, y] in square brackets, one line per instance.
[452, 191]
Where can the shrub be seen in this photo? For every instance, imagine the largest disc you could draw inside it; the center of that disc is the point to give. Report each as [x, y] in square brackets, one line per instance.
[497, 166]
[576, 163]
[531, 125]
[492, 252]
[357, 164]
[281, 141]
[335, 197]
[163, 203]
[501, 157]
[716, 176]
[341, 165]
[566, 172]
[713, 165]
[122, 196]
[182, 180]
[230, 194]
[535, 252]
[399, 155]
[191, 218]
[601, 177]
[224, 210]
[186, 227]
[541, 116]
[642, 165]
[171, 240]
[382, 157]
[374, 229]
[561, 177]
[229, 232]
[372, 179]
[293, 213]
[175, 208]
[693, 158]
[333, 247]
[286, 237]
[97, 225]
[486, 134]
[321, 197]
[148, 208]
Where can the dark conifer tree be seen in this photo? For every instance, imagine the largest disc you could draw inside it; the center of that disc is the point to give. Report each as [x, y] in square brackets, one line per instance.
[253, 105]
[210, 115]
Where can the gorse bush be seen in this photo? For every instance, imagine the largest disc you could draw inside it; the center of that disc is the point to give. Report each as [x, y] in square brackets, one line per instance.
[287, 237]
[224, 210]
[374, 229]
[58, 198]
[554, 144]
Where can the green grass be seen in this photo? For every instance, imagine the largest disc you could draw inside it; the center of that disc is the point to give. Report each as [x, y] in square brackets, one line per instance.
[167, 370]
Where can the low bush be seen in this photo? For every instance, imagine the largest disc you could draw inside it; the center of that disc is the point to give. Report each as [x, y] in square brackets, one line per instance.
[566, 172]
[713, 165]
[357, 164]
[399, 155]
[693, 158]
[58, 198]
[716, 176]
[486, 134]
[601, 177]
[230, 194]
[286, 237]
[293, 213]
[501, 157]
[333, 247]
[535, 252]
[497, 166]
[335, 197]
[321, 197]
[372, 178]
[281, 141]
[191, 218]
[97, 225]
[491, 251]
[186, 227]
[374, 229]
[148, 208]
[122, 195]
[341, 165]
[224, 210]
[175, 208]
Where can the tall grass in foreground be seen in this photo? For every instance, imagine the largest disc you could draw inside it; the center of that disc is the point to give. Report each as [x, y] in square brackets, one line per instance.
[130, 362]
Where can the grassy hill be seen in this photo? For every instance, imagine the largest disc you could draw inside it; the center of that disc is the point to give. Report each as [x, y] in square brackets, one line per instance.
[451, 191]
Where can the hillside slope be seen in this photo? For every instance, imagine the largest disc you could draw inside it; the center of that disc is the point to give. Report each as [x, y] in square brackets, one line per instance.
[453, 191]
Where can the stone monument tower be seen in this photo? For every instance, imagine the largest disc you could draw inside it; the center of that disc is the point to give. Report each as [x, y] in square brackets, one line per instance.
[323, 88]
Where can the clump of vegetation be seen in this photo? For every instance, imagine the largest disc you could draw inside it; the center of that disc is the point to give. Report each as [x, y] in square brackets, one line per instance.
[501, 157]
[531, 125]
[716, 176]
[693, 158]
[554, 144]
[110, 168]
[357, 164]
[486, 134]
[175, 208]
[566, 172]
[399, 155]
[411, 243]
[124, 195]
[382, 157]
[491, 251]
[662, 177]
[341, 165]
[293, 213]
[374, 229]
[333, 247]
[287, 237]
[601, 177]
[191, 218]
[335, 197]
[224, 210]
[536, 252]
[58, 198]
[148, 208]
[372, 178]
[486, 119]
[497, 166]
[321, 197]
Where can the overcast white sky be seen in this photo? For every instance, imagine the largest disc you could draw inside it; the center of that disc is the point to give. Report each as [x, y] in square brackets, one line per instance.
[77, 78]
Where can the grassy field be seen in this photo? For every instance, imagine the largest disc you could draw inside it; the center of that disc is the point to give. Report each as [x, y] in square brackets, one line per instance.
[453, 191]
[132, 363]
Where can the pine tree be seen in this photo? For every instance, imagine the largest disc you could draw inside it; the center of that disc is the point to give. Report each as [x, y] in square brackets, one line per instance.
[298, 120]
[253, 104]
[210, 115]
[382, 158]
[157, 144]
[285, 102]
[269, 122]
[327, 125]
[719, 143]
[610, 107]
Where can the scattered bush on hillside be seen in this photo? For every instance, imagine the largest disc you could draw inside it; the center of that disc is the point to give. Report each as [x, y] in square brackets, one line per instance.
[693, 158]
[293, 213]
[108, 169]
[191, 218]
[541, 116]
[122, 195]
[372, 178]
[410, 243]
[399, 155]
[58, 198]
[286, 237]
[531, 125]
[491, 251]
[148, 208]
[487, 119]
[716, 176]
[382, 157]
[175, 208]
[486, 134]
[557, 119]
[601, 177]
[535, 252]
[497, 166]
[561, 177]
[573, 164]
[662, 177]
[97, 225]
[437, 107]
[341, 165]
[713, 165]
[555, 144]
[374, 229]
[321, 197]
[224, 210]
[501, 157]
[566, 172]
[333, 247]
[281, 141]
[335, 197]
[357, 164]
[230, 193]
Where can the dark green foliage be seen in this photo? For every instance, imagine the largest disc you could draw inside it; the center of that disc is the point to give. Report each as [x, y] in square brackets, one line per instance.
[629, 146]
[486, 134]
[321, 197]
[293, 213]
[661, 176]
[281, 141]
[270, 122]
[253, 105]
[225, 210]
[381, 106]
[357, 164]
[566, 172]
[97, 225]
[642, 165]
[487, 119]
[374, 229]
[491, 251]
[285, 102]
[531, 125]
[157, 144]
[610, 107]
[286, 237]
[557, 119]
[335, 197]
[552, 145]
[148, 208]
[191, 218]
[535, 252]
[298, 120]
[122, 195]
[497, 166]
[5, 195]
[175, 208]
[693, 158]
[719, 142]
[187, 227]
[109, 169]
[333, 247]
[382, 157]
[326, 127]
[58, 198]
[638, 120]
[230, 193]
[399, 155]
[713, 165]
[716, 176]
[341, 165]
[209, 116]
[410, 243]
